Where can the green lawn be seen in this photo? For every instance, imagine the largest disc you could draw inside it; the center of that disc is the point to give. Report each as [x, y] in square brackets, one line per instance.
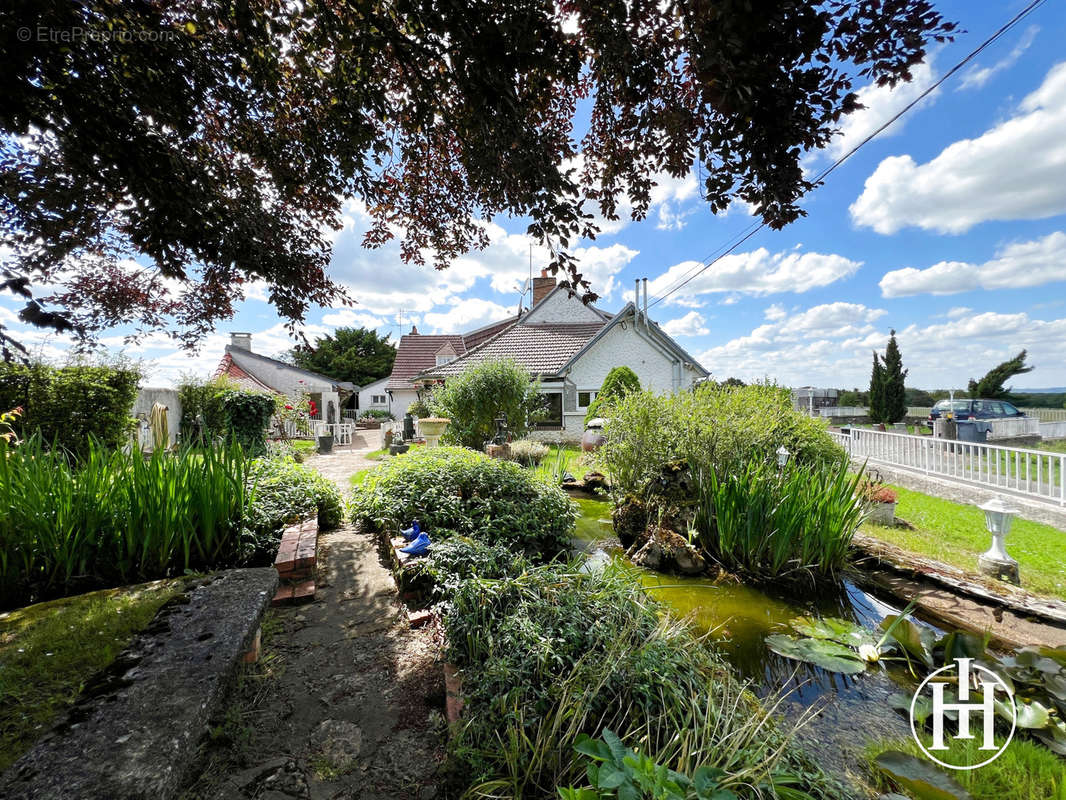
[49, 650]
[956, 534]
[1057, 446]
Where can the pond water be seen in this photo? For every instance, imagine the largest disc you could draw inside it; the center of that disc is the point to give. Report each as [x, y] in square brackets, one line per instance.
[852, 710]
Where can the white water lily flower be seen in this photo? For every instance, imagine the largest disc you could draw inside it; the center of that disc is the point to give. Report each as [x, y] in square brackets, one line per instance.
[869, 652]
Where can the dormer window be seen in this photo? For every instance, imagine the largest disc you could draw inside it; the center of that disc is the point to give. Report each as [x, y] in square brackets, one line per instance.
[444, 359]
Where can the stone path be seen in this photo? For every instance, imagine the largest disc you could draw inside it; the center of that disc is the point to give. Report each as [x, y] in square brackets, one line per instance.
[347, 700]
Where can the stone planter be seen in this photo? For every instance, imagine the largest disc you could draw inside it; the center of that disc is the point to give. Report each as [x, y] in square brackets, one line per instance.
[325, 444]
[883, 514]
[432, 428]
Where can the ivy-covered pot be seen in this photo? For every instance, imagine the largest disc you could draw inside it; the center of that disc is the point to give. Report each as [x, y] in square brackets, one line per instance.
[325, 444]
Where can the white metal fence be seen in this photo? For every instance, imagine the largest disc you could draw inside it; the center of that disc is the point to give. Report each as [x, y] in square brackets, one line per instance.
[1053, 430]
[1042, 414]
[1034, 473]
[843, 411]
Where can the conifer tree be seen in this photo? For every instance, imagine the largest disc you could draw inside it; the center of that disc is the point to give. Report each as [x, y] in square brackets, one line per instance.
[877, 390]
[894, 396]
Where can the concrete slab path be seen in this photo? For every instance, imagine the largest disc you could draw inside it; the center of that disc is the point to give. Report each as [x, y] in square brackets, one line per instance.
[347, 700]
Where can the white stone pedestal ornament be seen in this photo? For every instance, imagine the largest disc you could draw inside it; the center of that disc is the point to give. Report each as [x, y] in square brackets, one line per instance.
[432, 428]
[996, 562]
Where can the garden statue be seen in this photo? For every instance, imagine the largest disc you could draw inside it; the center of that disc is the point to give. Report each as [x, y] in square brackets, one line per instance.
[501, 431]
[158, 423]
[419, 546]
[410, 534]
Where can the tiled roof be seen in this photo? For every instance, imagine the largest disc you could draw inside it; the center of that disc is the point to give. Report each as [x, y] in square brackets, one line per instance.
[481, 335]
[243, 379]
[541, 349]
[417, 352]
[250, 359]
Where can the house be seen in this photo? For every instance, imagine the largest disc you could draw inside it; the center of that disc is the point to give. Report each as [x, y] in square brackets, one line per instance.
[264, 374]
[568, 345]
[375, 397]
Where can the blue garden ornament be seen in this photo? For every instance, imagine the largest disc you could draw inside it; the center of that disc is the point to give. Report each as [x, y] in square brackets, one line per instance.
[419, 546]
[410, 534]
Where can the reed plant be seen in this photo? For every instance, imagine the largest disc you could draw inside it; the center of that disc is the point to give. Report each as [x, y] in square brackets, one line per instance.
[112, 516]
[768, 524]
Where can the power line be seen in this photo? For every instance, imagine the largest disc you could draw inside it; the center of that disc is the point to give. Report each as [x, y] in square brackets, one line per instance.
[755, 227]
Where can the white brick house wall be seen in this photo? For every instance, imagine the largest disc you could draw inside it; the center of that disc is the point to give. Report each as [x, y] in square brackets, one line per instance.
[560, 307]
[372, 390]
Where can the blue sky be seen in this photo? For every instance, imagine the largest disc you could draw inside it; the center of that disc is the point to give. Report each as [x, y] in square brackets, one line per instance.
[950, 227]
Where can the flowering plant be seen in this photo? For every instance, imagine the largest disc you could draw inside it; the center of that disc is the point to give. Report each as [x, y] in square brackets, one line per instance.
[7, 421]
[872, 490]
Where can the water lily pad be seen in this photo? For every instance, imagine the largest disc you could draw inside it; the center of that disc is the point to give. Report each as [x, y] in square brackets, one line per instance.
[820, 652]
[1032, 714]
[920, 778]
[916, 641]
[830, 628]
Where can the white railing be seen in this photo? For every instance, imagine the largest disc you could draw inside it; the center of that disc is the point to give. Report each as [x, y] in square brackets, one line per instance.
[1042, 414]
[843, 411]
[1014, 426]
[1053, 430]
[1033, 473]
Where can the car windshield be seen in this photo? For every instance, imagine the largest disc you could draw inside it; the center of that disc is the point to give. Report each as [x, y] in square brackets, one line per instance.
[955, 405]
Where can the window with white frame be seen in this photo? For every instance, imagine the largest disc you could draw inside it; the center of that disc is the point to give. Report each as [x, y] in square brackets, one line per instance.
[442, 360]
[377, 399]
[584, 399]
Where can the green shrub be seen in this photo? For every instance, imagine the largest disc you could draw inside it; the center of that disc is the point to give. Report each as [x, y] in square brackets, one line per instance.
[475, 398]
[551, 653]
[712, 427]
[284, 492]
[218, 410]
[769, 526]
[69, 405]
[620, 381]
[528, 452]
[114, 517]
[454, 490]
[375, 413]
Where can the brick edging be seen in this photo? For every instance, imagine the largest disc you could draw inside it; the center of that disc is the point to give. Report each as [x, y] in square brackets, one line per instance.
[295, 563]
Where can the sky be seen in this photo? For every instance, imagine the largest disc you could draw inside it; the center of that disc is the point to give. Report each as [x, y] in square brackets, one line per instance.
[949, 227]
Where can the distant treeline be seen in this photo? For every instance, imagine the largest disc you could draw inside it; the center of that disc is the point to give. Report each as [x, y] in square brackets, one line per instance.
[923, 397]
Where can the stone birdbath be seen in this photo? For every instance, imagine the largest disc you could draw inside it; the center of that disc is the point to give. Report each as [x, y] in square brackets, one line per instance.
[432, 428]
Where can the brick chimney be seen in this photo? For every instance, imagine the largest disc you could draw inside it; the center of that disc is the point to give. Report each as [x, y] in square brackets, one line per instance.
[542, 286]
[414, 330]
[241, 340]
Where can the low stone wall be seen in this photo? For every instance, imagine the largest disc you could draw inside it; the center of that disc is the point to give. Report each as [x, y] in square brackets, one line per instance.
[135, 731]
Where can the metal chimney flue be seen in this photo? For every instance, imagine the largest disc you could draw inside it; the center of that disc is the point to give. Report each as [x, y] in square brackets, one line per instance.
[646, 323]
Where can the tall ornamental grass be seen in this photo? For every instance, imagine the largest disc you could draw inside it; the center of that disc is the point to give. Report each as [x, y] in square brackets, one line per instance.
[114, 517]
[764, 524]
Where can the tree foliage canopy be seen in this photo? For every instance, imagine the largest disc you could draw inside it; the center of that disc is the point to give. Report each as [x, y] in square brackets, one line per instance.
[894, 392]
[991, 386]
[350, 354]
[216, 142]
[619, 382]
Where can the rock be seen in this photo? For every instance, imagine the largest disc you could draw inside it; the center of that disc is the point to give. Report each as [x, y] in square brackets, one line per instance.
[630, 518]
[665, 550]
[650, 556]
[595, 480]
[338, 741]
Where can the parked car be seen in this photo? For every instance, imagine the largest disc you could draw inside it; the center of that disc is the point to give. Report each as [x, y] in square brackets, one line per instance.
[975, 409]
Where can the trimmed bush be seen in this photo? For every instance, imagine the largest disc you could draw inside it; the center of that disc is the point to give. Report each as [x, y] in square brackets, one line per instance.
[219, 410]
[475, 398]
[69, 405]
[452, 490]
[620, 381]
[283, 492]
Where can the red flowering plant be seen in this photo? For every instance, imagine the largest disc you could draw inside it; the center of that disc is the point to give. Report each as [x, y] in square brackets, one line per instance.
[873, 490]
[292, 416]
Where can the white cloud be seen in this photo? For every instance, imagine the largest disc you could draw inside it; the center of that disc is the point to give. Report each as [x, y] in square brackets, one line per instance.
[467, 315]
[881, 104]
[692, 324]
[775, 312]
[828, 353]
[1015, 170]
[758, 272]
[977, 76]
[958, 311]
[1018, 265]
[347, 318]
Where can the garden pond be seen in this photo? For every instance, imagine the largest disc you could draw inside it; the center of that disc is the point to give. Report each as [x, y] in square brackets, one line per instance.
[852, 710]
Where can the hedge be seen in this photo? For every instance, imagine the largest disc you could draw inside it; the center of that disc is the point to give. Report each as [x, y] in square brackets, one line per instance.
[68, 405]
